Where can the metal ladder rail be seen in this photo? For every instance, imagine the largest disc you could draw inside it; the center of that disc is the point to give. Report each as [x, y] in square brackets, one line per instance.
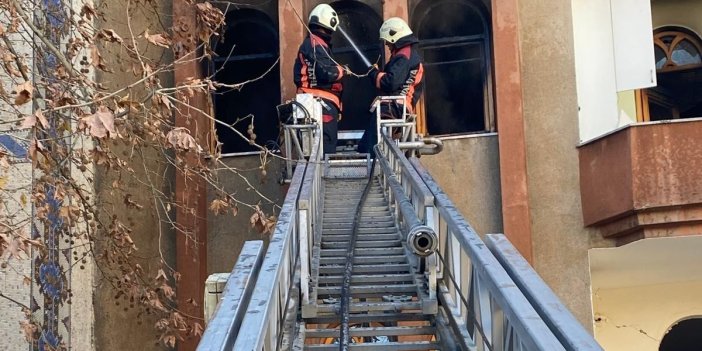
[564, 325]
[223, 328]
[274, 301]
[486, 309]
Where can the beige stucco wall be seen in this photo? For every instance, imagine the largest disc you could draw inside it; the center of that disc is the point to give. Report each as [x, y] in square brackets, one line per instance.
[227, 233]
[116, 326]
[685, 13]
[636, 318]
[468, 170]
[550, 106]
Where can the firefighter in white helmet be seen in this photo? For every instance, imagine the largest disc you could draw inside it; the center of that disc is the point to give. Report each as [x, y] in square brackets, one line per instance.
[403, 74]
[317, 74]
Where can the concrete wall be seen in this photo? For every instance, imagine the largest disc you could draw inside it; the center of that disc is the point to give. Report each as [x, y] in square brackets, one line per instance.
[116, 326]
[227, 233]
[468, 170]
[683, 13]
[550, 104]
[636, 318]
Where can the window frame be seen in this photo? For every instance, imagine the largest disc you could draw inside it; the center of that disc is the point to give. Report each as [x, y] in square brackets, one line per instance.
[679, 34]
[678, 37]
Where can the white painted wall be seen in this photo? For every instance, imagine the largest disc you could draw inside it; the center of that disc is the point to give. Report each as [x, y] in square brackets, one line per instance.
[613, 52]
[636, 318]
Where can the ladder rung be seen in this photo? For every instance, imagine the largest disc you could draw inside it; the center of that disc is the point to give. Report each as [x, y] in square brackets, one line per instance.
[377, 331]
[361, 244]
[414, 345]
[347, 231]
[364, 252]
[369, 289]
[372, 317]
[372, 306]
[360, 238]
[385, 268]
[377, 278]
[365, 208]
[345, 219]
[364, 259]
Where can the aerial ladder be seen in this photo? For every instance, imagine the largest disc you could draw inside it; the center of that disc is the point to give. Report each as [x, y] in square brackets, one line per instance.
[370, 254]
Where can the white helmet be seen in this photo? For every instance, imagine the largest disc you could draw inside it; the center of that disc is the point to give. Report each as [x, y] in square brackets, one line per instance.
[324, 15]
[393, 29]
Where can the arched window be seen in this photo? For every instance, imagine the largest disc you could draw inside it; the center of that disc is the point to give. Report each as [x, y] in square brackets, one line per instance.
[684, 335]
[678, 53]
[455, 42]
[247, 50]
[677, 49]
[362, 23]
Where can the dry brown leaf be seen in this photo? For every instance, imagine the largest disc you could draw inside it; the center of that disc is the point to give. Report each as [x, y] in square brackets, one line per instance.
[219, 206]
[197, 329]
[24, 93]
[88, 12]
[42, 119]
[110, 35]
[97, 61]
[180, 138]
[161, 275]
[158, 39]
[101, 124]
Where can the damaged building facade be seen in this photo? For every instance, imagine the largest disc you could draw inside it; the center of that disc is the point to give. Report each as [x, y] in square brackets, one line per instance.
[570, 126]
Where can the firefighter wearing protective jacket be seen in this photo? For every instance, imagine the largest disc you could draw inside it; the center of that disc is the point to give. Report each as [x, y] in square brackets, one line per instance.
[403, 75]
[317, 74]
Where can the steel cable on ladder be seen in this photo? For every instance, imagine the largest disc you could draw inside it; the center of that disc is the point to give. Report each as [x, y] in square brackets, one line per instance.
[344, 329]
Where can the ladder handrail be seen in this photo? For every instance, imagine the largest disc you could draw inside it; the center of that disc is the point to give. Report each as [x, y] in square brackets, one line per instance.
[262, 325]
[223, 328]
[498, 304]
[309, 210]
[556, 315]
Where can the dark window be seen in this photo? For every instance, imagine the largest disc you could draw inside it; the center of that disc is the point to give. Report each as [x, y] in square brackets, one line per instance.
[247, 50]
[678, 54]
[362, 24]
[683, 336]
[454, 39]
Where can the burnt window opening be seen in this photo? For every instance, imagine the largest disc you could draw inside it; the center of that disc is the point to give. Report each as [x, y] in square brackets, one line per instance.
[247, 50]
[683, 336]
[454, 40]
[362, 24]
[679, 71]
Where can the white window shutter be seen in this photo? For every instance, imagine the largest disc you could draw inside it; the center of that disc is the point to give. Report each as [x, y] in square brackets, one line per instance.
[632, 30]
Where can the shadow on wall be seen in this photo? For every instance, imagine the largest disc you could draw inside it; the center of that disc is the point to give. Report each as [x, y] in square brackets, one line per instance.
[226, 232]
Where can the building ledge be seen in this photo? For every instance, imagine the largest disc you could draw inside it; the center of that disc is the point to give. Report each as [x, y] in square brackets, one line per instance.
[644, 180]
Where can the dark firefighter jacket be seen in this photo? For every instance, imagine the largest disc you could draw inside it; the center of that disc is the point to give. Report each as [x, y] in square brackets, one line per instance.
[315, 72]
[404, 72]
